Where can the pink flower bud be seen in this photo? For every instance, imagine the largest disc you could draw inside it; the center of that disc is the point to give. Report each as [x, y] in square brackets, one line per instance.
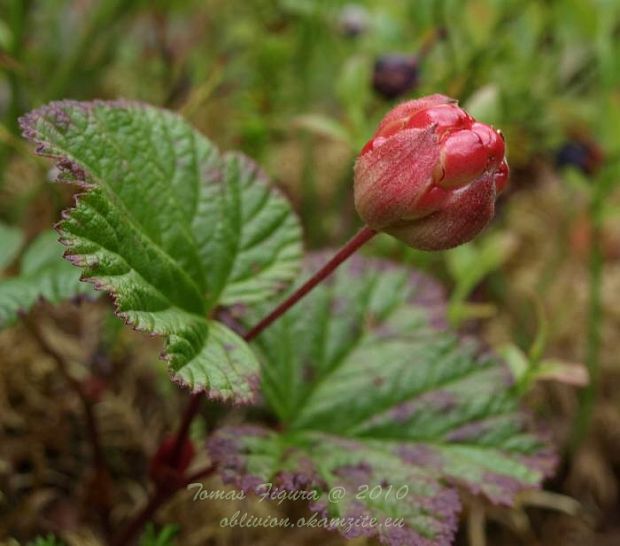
[430, 174]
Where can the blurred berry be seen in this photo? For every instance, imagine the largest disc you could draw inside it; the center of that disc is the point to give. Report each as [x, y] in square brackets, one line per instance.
[580, 154]
[353, 20]
[394, 75]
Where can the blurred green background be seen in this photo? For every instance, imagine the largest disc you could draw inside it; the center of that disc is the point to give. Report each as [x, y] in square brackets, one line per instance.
[300, 85]
[289, 81]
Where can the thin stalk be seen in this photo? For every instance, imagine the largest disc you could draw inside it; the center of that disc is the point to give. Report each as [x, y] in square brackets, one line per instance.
[186, 421]
[358, 240]
[199, 474]
[17, 12]
[142, 518]
[160, 496]
[595, 318]
[309, 192]
[476, 525]
[102, 18]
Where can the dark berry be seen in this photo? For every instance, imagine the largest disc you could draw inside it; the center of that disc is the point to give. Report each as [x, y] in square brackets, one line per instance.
[579, 154]
[394, 75]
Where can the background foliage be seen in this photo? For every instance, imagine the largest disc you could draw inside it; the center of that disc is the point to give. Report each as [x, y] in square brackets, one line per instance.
[288, 83]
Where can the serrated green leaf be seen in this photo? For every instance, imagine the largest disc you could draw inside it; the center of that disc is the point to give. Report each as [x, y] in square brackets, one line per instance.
[44, 275]
[171, 228]
[374, 394]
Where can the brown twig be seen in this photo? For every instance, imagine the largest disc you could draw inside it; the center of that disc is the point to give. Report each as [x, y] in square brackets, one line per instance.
[142, 518]
[199, 474]
[160, 497]
[102, 475]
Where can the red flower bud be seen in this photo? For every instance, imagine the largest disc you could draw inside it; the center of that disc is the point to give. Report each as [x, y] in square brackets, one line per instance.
[430, 174]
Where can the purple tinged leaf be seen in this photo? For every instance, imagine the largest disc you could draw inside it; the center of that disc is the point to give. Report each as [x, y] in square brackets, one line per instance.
[374, 392]
[420, 455]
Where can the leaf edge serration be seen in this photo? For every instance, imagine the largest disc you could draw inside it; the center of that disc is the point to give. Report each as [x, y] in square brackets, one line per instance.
[70, 171]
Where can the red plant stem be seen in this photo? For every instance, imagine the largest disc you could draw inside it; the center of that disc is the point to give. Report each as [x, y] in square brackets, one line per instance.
[199, 474]
[359, 239]
[186, 421]
[156, 501]
[102, 475]
[142, 518]
[161, 496]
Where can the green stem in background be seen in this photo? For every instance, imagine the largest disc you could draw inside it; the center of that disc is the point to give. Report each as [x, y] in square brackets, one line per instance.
[310, 201]
[305, 75]
[160, 495]
[17, 11]
[99, 23]
[595, 315]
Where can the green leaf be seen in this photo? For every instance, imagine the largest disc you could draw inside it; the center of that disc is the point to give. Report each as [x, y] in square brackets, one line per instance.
[49, 540]
[11, 240]
[373, 394]
[171, 228]
[323, 126]
[517, 361]
[569, 373]
[468, 265]
[163, 537]
[44, 275]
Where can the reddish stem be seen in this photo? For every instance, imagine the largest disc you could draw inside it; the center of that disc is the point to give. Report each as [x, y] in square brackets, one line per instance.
[199, 474]
[360, 238]
[142, 518]
[159, 498]
[186, 421]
